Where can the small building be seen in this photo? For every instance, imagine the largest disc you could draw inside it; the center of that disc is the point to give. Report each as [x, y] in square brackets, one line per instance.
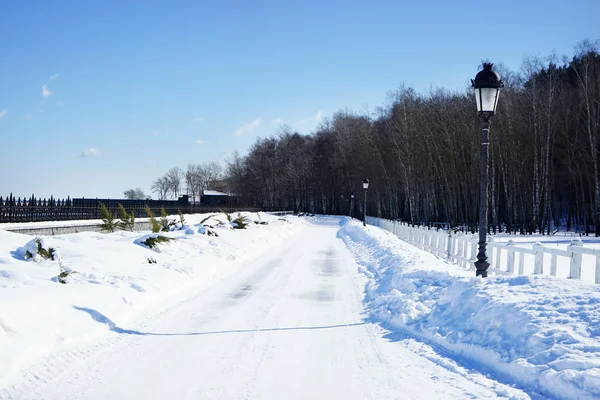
[215, 198]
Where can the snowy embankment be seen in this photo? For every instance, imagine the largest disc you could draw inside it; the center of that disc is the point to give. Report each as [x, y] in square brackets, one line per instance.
[537, 332]
[115, 274]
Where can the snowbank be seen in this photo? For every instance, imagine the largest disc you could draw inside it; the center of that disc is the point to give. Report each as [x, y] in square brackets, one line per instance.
[538, 332]
[115, 275]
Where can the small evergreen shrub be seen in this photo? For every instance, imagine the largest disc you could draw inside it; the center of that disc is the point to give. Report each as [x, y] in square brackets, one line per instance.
[151, 260]
[181, 219]
[46, 254]
[127, 222]
[206, 219]
[109, 223]
[164, 221]
[241, 222]
[155, 224]
[152, 242]
[228, 216]
[63, 273]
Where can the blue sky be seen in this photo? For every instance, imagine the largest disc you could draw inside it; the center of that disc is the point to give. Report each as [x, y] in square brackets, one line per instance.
[100, 96]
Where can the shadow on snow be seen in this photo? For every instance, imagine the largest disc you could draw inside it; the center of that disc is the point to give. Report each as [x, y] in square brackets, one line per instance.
[99, 317]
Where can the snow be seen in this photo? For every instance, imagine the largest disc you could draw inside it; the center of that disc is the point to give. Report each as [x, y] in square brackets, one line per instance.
[287, 324]
[215, 193]
[536, 332]
[297, 308]
[113, 273]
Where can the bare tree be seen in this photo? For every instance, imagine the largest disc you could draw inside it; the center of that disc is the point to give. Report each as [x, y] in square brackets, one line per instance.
[161, 188]
[213, 172]
[134, 194]
[175, 177]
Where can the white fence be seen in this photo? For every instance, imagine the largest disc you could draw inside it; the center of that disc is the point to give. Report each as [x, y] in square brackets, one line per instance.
[504, 258]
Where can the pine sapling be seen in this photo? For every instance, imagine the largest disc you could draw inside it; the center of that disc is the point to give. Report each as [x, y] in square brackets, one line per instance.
[109, 223]
[152, 242]
[127, 220]
[241, 222]
[164, 221]
[181, 219]
[155, 224]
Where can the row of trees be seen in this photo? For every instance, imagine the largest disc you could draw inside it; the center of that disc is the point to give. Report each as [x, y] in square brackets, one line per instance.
[421, 154]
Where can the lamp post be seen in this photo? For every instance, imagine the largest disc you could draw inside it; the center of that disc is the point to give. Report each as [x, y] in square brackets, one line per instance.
[365, 186]
[351, 205]
[487, 85]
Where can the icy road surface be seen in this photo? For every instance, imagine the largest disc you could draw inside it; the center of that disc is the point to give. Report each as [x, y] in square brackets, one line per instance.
[288, 325]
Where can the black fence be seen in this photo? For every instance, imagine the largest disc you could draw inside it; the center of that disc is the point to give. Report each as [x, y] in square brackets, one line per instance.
[36, 210]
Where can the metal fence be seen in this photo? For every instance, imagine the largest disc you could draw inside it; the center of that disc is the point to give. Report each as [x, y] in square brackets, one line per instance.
[504, 258]
[37, 210]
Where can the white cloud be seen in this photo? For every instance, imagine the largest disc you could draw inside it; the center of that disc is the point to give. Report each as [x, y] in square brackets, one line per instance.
[278, 121]
[54, 77]
[198, 119]
[46, 92]
[3, 113]
[91, 152]
[247, 129]
[310, 120]
[199, 142]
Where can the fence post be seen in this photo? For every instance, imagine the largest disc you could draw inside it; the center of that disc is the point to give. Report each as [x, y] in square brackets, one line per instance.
[459, 248]
[510, 257]
[538, 268]
[553, 260]
[474, 241]
[521, 263]
[575, 267]
[449, 244]
[10, 208]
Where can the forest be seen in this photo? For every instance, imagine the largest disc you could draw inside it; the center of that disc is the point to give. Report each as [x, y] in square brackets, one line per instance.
[421, 154]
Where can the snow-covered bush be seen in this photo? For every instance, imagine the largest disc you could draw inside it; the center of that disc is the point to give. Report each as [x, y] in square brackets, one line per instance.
[165, 223]
[241, 222]
[38, 249]
[63, 273]
[181, 220]
[152, 241]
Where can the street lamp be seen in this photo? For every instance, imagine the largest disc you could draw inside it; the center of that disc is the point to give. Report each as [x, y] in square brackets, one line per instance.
[351, 205]
[365, 186]
[487, 85]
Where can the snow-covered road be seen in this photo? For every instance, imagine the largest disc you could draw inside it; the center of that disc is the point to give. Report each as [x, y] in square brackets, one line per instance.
[289, 325]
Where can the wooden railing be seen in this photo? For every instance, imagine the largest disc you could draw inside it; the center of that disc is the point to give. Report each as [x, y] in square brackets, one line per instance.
[504, 257]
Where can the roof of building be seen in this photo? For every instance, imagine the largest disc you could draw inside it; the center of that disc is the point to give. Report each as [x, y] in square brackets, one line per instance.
[214, 193]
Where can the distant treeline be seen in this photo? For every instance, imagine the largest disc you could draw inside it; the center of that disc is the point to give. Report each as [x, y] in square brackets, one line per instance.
[421, 154]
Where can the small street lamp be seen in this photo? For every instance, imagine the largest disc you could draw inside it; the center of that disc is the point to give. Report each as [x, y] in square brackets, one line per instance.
[352, 205]
[366, 187]
[487, 85]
